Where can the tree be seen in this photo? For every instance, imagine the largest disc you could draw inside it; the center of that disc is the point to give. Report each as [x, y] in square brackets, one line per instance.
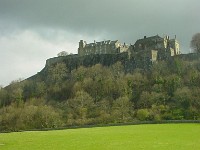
[172, 82]
[138, 83]
[182, 97]
[17, 96]
[122, 109]
[9, 118]
[80, 108]
[63, 53]
[117, 69]
[147, 99]
[142, 114]
[80, 73]
[104, 111]
[57, 73]
[195, 43]
[30, 116]
[3, 97]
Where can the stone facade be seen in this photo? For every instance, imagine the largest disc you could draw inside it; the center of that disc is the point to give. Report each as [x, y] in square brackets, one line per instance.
[165, 47]
[148, 48]
[150, 55]
[103, 47]
[175, 46]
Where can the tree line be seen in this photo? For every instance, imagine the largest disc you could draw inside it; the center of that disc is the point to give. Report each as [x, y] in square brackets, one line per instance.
[102, 94]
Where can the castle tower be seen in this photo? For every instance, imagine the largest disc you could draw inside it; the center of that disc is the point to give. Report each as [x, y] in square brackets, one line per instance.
[81, 47]
[175, 45]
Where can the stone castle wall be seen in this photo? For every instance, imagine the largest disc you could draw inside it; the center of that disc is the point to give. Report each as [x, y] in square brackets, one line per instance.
[103, 47]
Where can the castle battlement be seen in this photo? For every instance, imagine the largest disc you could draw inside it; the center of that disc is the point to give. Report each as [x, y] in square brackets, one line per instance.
[103, 47]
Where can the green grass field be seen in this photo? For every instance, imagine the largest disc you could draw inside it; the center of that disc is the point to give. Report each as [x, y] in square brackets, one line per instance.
[132, 137]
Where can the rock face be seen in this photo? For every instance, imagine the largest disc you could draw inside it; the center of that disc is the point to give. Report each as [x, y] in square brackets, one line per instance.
[130, 62]
[75, 61]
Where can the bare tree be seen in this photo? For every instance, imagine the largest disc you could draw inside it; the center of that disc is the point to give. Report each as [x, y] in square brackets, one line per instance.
[195, 43]
[63, 53]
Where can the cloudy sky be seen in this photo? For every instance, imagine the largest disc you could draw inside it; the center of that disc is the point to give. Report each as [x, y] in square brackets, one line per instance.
[32, 31]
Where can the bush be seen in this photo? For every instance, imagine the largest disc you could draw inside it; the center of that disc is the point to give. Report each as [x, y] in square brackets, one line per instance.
[14, 118]
[142, 114]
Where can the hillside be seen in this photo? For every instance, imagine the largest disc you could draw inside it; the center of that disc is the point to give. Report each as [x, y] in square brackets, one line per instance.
[101, 89]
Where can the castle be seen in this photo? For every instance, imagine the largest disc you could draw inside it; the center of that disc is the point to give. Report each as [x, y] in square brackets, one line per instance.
[152, 48]
[142, 54]
[103, 47]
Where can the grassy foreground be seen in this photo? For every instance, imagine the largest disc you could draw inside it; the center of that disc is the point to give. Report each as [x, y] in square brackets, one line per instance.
[154, 136]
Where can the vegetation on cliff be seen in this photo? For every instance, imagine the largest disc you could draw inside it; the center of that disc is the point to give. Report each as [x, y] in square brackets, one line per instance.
[99, 94]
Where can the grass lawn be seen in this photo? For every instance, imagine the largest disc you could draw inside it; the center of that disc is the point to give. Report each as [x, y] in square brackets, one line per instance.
[132, 137]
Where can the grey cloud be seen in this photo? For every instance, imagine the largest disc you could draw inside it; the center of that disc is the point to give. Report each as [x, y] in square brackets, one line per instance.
[93, 14]
[123, 19]
[126, 20]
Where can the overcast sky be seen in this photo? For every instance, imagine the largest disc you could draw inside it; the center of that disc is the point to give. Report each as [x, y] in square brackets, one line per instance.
[32, 31]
